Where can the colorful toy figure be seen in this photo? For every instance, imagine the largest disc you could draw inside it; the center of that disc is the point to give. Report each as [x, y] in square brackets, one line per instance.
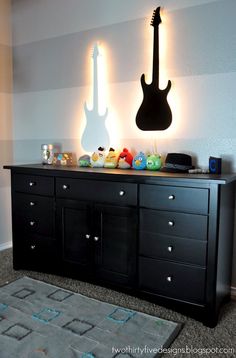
[84, 161]
[154, 162]
[98, 158]
[139, 161]
[66, 158]
[111, 159]
[125, 159]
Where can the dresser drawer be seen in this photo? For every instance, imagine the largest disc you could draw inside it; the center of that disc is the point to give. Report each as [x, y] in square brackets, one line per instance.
[33, 184]
[27, 204]
[173, 280]
[172, 248]
[34, 219]
[38, 252]
[36, 225]
[174, 224]
[163, 197]
[100, 191]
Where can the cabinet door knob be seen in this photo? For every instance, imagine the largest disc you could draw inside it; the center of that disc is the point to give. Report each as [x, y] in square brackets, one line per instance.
[65, 186]
[32, 247]
[171, 197]
[32, 183]
[170, 248]
[87, 236]
[32, 223]
[96, 238]
[121, 192]
[169, 278]
[32, 203]
[171, 223]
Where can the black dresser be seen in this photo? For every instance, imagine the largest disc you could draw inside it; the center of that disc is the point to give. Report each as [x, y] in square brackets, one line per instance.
[161, 236]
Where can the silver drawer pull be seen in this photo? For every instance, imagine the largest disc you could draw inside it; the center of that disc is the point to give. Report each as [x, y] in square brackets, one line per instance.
[87, 236]
[171, 197]
[32, 247]
[121, 192]
[171, 223]
[32, 223]
[170, 248]
[169, 278]
[65, 187]
[32, 203]
[96, 238]
[32, 183]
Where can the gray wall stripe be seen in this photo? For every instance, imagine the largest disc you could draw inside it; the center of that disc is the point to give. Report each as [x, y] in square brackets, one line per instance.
[37, 20]
[5, 69]
[194, 47]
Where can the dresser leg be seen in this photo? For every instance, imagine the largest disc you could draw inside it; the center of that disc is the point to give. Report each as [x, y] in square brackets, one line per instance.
[210, 320]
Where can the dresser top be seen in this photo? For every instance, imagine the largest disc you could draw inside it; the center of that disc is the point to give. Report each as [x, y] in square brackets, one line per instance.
[114, 174]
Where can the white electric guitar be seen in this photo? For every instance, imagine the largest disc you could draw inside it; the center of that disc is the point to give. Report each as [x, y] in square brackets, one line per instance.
[95, 133]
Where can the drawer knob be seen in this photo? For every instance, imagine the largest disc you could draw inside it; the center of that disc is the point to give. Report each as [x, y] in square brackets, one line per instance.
[171, 223]
[87, 236]
[32, 223]
[32, 183]
[169, 278]
[121, 192]
[96, 238]
[171, 197]
[65, 187]
[32, 203]
[32, 247]
[170, 248]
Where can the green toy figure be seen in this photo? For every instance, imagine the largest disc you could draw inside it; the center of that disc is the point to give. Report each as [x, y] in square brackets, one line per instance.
[84, 161]
[154, 162]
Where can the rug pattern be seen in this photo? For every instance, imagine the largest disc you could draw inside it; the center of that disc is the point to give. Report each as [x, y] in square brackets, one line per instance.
[41, 320]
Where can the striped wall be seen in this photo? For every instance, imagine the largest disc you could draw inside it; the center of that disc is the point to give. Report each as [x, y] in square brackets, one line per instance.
[52, 42]
[6, 147]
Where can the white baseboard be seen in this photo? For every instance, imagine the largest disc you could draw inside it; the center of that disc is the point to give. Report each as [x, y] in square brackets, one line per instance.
[6, 245]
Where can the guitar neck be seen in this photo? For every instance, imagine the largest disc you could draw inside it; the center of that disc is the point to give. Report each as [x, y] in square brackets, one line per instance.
[155, 66]
[95, 84]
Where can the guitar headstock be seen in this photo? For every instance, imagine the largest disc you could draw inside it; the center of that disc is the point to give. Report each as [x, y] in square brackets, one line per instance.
[95, 51]
[156, 17]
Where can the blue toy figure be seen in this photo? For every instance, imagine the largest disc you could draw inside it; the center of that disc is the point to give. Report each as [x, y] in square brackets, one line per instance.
[139, 161]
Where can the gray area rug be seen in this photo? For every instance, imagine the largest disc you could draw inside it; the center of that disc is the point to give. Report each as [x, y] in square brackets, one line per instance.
[193, 334]
[42, 320]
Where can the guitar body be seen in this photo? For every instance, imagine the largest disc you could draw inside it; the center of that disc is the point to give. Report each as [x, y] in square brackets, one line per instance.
[95, 133]
[154, 112]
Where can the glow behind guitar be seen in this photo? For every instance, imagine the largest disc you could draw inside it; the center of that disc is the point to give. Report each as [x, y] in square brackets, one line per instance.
[95, 133]
[154, 112]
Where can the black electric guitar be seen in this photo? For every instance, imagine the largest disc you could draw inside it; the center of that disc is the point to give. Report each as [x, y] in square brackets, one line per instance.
[154, 112]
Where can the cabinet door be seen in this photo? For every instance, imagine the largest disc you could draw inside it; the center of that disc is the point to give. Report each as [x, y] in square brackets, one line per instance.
[115, 233]
[75, 222]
